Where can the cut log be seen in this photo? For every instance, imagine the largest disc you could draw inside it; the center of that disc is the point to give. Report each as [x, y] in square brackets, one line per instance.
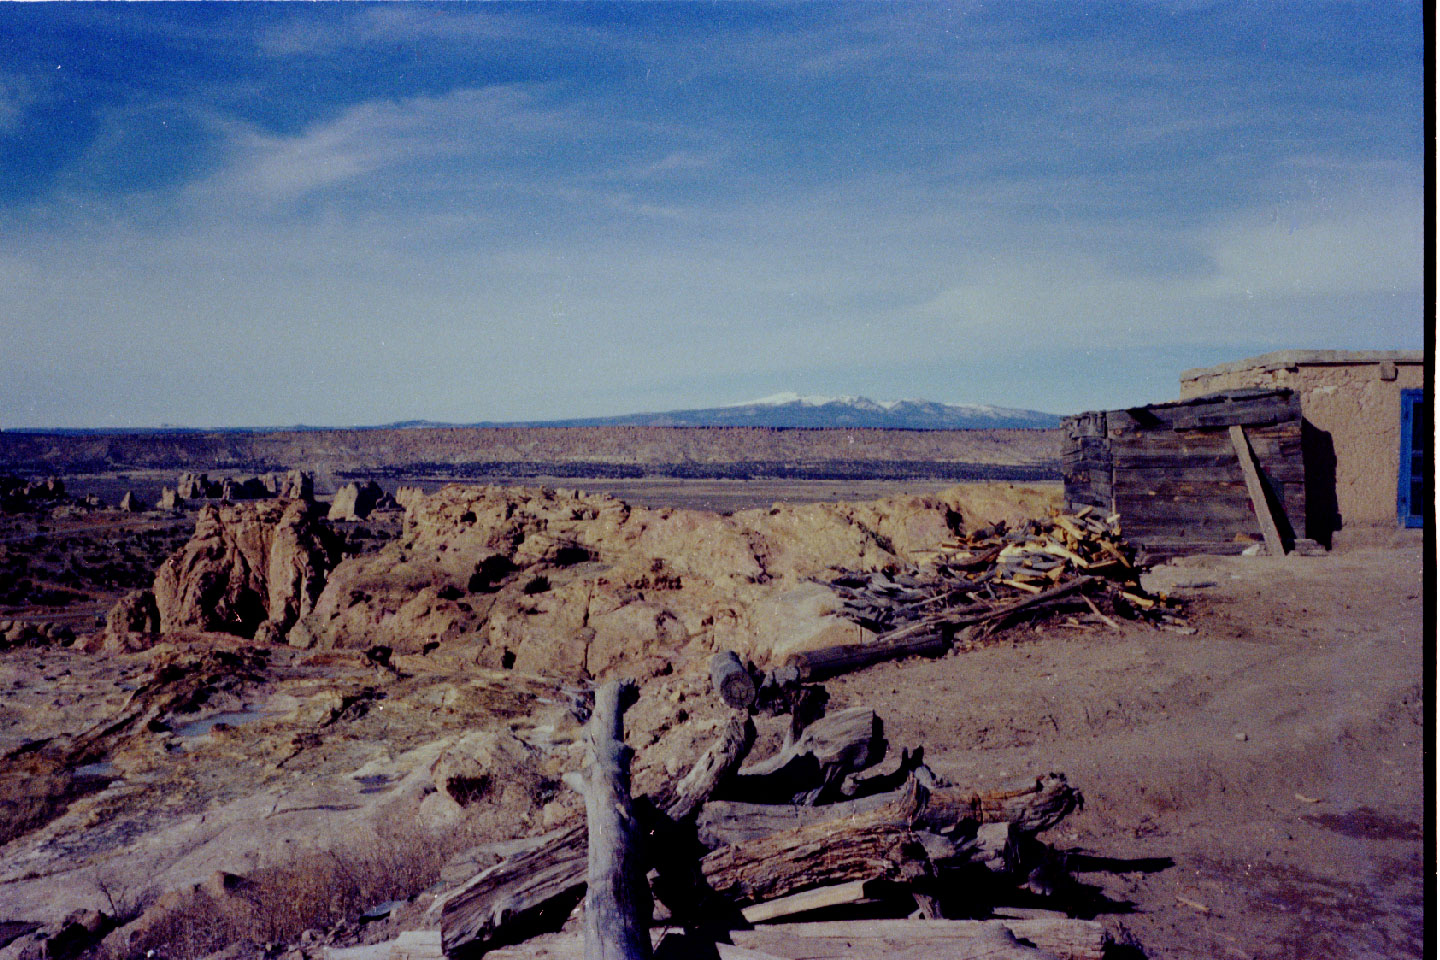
[617, 898]
[813, 767]
[848, 657]
[837, 939]
[732, 681]
[714, 765]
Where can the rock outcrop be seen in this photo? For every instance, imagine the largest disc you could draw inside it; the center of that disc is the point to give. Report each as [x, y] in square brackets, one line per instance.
[248, 564]
[195, 486]
[130, 503]
[132, 620]
[356, 501]
[293, 485]
[579, 585]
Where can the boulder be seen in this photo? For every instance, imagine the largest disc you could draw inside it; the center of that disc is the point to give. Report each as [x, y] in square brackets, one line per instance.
[170, 500]
[247, 563]
[133, 614]
[131, 503]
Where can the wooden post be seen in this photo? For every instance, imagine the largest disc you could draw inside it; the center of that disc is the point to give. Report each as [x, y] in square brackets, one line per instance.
[617, 899]
[1273, 543]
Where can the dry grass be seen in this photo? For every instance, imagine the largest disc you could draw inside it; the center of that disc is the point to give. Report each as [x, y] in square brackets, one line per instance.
[276, 904]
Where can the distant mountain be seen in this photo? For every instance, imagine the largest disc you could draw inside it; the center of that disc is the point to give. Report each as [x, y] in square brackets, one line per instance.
[781, 410]
[794, 410]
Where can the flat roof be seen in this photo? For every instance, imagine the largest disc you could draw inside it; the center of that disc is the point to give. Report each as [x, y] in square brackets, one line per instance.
[1305, 358]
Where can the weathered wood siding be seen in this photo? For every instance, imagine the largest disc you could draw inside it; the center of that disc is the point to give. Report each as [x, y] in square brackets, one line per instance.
[1171, 471]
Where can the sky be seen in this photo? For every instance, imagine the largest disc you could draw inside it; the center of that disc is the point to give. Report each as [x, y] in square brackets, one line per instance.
[271, 214]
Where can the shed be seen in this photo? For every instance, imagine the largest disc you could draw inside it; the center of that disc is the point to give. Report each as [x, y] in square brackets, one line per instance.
[1186, 477]
[1367, 430]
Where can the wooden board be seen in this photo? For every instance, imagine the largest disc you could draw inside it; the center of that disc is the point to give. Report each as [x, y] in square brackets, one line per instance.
[1256, 486]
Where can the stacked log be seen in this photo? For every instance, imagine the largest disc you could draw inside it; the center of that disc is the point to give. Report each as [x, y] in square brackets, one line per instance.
[816, 826]
[975, 585]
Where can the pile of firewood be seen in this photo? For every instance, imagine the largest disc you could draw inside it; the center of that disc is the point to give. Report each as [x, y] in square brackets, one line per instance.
[977, 584]
[824, 823]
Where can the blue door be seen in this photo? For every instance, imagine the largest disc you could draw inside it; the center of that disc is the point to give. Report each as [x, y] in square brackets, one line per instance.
[1414, 445]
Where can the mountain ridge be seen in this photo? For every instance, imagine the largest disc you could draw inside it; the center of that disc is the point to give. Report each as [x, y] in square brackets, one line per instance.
[778, 411]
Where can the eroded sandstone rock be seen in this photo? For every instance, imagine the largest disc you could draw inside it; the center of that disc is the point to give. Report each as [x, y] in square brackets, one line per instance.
[246, 564]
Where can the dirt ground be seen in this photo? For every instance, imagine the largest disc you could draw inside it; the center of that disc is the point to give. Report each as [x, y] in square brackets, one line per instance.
[1255, 789]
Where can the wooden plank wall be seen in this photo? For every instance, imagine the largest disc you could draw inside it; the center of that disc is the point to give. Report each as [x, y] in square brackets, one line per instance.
[1171, 472]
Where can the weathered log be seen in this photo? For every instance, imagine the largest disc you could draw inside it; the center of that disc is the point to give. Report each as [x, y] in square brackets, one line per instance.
[836, 939]
[1031, 808]
[617, 898]
[926, 636]
[731, 680]
[867, 846]
[714, 765]
[848, 657]
[724, 822]
[946, 810]
[521, 895]
[813, 766]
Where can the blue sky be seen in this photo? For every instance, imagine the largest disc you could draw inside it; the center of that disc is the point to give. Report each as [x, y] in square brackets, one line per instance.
[250, 214]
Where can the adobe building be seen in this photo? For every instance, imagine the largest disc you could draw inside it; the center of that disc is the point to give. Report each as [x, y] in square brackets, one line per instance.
[1366, 431]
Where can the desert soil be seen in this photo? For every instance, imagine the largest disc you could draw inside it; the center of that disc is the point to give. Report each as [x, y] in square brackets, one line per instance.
[1253, 790]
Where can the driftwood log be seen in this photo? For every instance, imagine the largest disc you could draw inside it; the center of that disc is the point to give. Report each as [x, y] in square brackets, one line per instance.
[867, 846]
[522, 895]
[617, 898]
[714, 765]
[1030, 809]
[813, 767]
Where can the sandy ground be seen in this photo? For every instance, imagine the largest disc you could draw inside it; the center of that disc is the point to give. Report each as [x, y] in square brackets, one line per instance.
[1253, 790]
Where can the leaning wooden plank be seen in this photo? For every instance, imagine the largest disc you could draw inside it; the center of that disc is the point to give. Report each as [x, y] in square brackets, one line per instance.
[1065, 939]
[835, 895]
[617, 898]
[1257, 492]
[520, 895]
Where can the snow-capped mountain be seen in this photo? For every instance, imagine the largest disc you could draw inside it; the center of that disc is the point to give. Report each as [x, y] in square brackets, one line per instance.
[795, 410]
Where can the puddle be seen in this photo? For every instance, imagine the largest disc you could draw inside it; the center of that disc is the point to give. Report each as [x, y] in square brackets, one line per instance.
[233, 718]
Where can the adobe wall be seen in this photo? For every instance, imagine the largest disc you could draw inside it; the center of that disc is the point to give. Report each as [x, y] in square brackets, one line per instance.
[1346, 403]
